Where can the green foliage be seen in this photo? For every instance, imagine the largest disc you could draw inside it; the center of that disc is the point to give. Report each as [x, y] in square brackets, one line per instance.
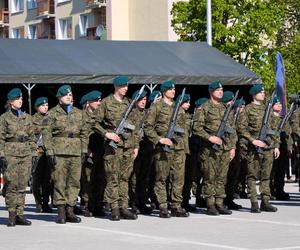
[250, 31]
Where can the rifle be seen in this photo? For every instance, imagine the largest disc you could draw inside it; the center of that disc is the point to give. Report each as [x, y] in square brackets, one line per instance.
[223, 129]
[123, 123]
[237, 113]
[141, 130]
[265, 131]
[172, 129]
[286, 117]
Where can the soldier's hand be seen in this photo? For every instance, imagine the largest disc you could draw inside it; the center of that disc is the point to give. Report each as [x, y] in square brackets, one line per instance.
[84, 158]
[135, 152]
[276, 153]
[215, 140]
[259, 143]
[231, 154]
[165, 141]
[112, 136]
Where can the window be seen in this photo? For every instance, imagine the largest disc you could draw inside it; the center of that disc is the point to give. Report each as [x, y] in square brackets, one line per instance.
[17, 6]
[16, 33]
[32, 32]
[31, 4]
[65, 29]
[62, 1]
[84, 21]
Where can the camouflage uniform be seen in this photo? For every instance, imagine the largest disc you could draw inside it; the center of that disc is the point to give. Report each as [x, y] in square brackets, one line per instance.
[93, 176]
[65, 137]
[249, 128]
[41, 175]
[214, 163]
[117, 162]
[295, 125]
[17, 145]
[167, 165]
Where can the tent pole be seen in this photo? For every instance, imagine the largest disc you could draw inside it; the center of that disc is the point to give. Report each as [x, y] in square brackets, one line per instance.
[29, 87]
[151, 87]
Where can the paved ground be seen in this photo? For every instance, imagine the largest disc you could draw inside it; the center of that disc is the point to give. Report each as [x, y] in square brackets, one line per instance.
[242, 230]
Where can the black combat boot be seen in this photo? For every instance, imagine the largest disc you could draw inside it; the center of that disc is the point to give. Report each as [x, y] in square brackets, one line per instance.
[115, 214]
[70, 216]
[77, 210]
[267, 207]
[179, 212]
[38, 208]
[232, 205]
[188, 207]
[99, 212]
[164, 213]
[211, 210]
[61, 217]
[87, 212]
[144, 209]
[223, 210]
[200, 202]
[46, 208]
[135, 209]
[254, 207]
[127, 215]
[21, 220]
[11, 219]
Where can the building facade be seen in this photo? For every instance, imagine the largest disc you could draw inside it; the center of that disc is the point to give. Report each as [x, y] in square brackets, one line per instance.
[88, 19]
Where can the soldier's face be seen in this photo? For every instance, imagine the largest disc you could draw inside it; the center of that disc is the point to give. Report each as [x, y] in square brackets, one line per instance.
[67, 99]
[122, 90]
[157, 99]
[16, 103]
[186, 106]
[95, 104]
[141, 104]
[170, 93]
[43, 109]
[260, 96]
[217, 93]
[277, 107]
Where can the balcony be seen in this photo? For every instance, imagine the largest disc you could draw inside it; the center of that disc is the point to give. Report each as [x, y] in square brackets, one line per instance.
[4, 16]
[45, 8]
[95, 3]
[91, 34]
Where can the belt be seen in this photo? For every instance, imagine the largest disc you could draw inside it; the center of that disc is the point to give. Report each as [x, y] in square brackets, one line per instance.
[18, 139]
[68, 135]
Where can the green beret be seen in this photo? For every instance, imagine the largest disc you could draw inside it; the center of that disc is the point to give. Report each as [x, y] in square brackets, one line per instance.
[14, 94]
[120, 81]
[186, 98]
[200, 101]
[144, 93]
[214, 85]
[256, 88]
[276, 99]
[40, 101]
[238, 103]
[63, 90]
[169, 84]
[91, 96]
[227, 96]
[153, 95]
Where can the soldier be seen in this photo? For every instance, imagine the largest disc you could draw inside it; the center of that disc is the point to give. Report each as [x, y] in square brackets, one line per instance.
[117, 161]
[41, 173]
[17, 154]
[167, 164]
[214, 162]
[65, 141]
[249, 128]
[92, 176]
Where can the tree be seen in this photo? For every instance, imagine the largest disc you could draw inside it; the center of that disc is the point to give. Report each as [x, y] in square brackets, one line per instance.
[246, 30]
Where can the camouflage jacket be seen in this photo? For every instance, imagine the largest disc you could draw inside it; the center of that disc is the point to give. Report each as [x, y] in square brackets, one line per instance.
[17, 135]
[250, 123]
[136, 117]
[109, 115]
[207, 123]
[295, 125]
[187, 130]
[65, 134]
[157, 123]
[95, 141]
[39, 122]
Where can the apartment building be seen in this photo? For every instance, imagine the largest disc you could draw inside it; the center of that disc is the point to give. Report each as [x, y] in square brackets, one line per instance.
[4, 19]
[90, 19]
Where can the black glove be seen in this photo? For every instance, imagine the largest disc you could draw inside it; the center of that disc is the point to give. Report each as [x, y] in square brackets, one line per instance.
[52, 160]
[3, 164]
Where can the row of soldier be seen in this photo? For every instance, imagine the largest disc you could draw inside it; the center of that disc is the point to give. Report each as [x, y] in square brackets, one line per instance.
[105, 152]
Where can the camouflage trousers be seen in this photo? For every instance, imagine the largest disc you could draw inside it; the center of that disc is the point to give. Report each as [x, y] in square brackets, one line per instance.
[41, 181]
[140, 179]
[259, 169]
[214, 168]
[169, 167]
[118, 165]
[66, 180]
[233, 177]
[16, 179]
[92, 183]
